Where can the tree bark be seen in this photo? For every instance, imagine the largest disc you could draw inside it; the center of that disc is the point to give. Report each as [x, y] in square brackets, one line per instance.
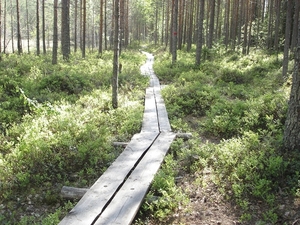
[211, 23]
[83, 35]
[4, 28]
[100, 50]
[296, 25]
[55, 36]
[20, 50]
[200, 33]
[27, 27]
[75, 25]
[287, 37]
[37, 27]
[292, 124]
[0, 26]
[65, 29]
[174, 31]
[44, 27]
[116, 54]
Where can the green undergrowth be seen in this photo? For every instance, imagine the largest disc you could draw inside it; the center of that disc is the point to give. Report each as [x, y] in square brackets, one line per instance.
[237, 103]
[57, 128]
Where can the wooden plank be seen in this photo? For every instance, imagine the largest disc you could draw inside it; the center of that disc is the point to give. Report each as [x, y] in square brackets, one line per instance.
[96, 198]
[150, 120]
[126, 203]
[162, 114]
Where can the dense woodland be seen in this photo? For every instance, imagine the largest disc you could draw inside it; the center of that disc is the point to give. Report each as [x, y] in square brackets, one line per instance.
[70, 85]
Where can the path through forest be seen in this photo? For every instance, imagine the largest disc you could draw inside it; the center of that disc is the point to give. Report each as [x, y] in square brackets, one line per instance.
[117, 195]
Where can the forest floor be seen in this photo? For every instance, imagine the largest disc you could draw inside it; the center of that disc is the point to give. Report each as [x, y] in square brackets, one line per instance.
[208, 206]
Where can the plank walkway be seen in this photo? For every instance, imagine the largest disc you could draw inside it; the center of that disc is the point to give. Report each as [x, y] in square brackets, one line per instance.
[117, 195]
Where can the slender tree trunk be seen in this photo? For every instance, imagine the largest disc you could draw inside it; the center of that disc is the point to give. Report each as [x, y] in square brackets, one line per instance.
[20, 50]
[191, 22]
[65, 29]
[226, 23]
[246, 14]
[116, 54]
[112, 26]
[167, 23]
[100, 50]
[105, 24]
[44, 27]
[296, 25]
[292, 124]
[218, 25]
[270, 25]
[12, 28]
[0, 27]
[55, 36]
[37, 27]
[27, 27]
[180, 24]
[287, 37]
[175, 32]
[75, 25]
[211, 23]
[276, 38]
[83, 28]
[126, 27]
[4, 28]
[200, 33]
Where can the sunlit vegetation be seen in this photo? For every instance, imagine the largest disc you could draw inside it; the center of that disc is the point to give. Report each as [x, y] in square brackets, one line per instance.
[58, 125]
[235, 105]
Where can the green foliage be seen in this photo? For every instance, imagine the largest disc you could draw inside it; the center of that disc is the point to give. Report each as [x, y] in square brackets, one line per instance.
[164, 197]
[239, 100]
[57, 123]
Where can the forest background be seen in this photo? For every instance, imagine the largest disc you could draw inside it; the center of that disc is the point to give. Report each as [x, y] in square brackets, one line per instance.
[231, 70]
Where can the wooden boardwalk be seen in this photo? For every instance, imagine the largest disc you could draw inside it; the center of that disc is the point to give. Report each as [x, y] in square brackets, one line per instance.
[117, 195]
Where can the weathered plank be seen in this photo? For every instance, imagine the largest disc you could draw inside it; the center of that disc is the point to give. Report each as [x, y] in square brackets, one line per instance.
[162, 114]
[150, 120]
[96, 198]
[126, 203]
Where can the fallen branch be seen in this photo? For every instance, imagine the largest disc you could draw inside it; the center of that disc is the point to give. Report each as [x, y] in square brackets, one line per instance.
[184, 136]
[72, 192]
[120, 144]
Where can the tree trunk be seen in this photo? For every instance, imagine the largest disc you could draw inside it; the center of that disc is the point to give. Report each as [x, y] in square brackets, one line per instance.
[12, 28]
[37, 27]
[116, 54]
[100, 50]
[83, 35]
[246, 15]
[226, 23]
[200, 33]
[211, 23]
[190, 26]
[44, 27]
[287, 37]
[105, 24]
[65, 29]
[296, 25]
[292, 124]
[0, 26]
[75, 25]
[55, 36]
[276, 38]
[20, 50]
[174, 31]
[27, 27]
[4, 28]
